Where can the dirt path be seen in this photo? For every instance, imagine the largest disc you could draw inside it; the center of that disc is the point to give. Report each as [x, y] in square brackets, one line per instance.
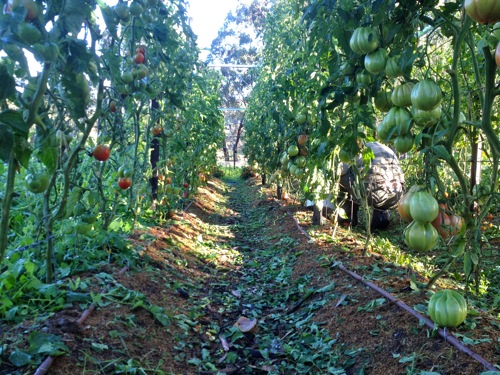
[239, 252]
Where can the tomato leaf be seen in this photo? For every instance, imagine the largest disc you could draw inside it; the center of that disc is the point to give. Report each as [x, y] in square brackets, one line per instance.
[14, 120]
[19, 358]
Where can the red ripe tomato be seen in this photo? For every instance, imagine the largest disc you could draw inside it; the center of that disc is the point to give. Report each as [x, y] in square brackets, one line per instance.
[101, 152]
[186, 185]
[446, 223]
[30, 5]
[124, 183]
[302, 139]
[139, 58]
[157, 129]
[483, 11]
[141, 49]
[185, 194]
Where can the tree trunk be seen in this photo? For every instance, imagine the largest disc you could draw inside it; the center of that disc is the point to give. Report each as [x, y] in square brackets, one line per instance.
[238, 135]
[264, 179]
[279, 192]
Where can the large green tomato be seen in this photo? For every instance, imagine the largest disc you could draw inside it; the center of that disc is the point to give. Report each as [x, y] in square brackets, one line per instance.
[424, 208]
[426, 95]
[383, 101]
[364, 78]
[375, 61]
[398, 119]
[392, 69]
[385, 132]
[404, 203]
[483, 11]
[447, 308]
[420, 236]
[364, 40]
[401, 95]
[496, 31]
[403, 143]
[427, 118]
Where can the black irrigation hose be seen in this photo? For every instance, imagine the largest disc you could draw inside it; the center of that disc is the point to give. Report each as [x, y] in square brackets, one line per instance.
[447, 336]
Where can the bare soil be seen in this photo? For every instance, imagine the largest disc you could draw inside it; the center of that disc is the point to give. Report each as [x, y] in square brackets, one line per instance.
[192, 285]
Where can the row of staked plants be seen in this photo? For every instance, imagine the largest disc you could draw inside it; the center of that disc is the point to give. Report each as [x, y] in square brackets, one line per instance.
[419, 76]
[100, 105]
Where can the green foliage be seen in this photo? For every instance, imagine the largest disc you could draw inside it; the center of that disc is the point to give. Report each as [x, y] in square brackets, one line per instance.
[314, 62]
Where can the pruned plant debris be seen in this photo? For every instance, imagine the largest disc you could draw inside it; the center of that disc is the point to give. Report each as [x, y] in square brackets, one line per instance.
[235, 287]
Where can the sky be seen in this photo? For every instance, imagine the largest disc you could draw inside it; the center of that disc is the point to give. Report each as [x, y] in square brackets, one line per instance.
[207, 17]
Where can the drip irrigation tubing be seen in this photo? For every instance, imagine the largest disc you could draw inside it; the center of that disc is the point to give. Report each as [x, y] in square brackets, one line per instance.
[447, 336]
[47, 363]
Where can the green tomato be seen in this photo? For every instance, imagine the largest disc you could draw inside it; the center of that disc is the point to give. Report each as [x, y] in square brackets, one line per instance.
[420, 236]
[127, 77]
[385, 131]
[392, 69]
[364, 78]
[399, 120]
[82, 227]
[426, 95]
[483, 11]
[383, 101]
[424, 207]
[136, 8]
[404, 143]
[496, 31]
[37, 182]
[300, 161]
[28, 33]
[301, 118]
[401, 95]
[447, 308]
[122, 11]
[427, 118]
[293, 150]
[364, 40]
[375, 61]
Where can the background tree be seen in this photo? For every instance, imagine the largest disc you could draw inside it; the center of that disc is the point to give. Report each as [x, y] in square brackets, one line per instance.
[238, 43]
